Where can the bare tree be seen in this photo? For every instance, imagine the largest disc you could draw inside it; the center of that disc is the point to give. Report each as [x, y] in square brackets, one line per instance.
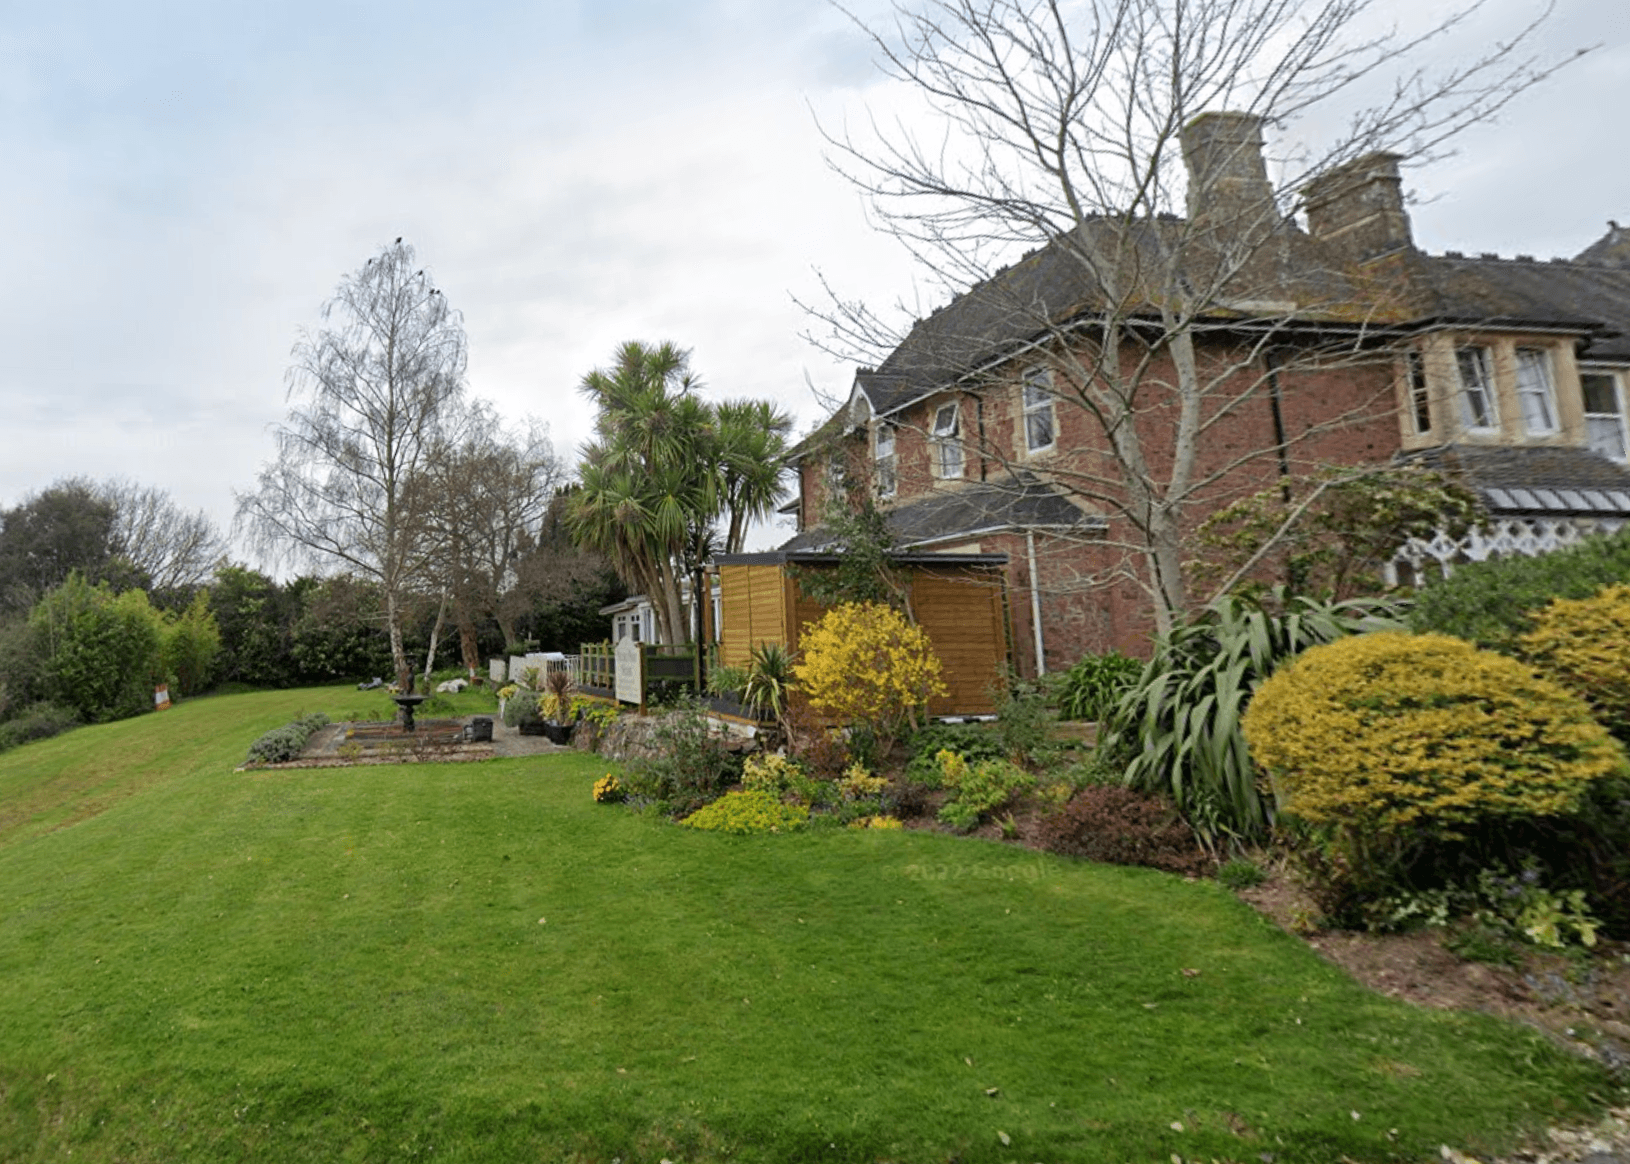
[485, 499]
[1169, 287]
[173, 548]
[376, 392]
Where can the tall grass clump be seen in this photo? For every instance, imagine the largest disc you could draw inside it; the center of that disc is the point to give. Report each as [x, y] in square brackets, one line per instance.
[1177, 728]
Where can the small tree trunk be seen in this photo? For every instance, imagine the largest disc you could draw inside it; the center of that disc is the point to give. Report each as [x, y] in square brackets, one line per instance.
[399, 659]
[435, 635]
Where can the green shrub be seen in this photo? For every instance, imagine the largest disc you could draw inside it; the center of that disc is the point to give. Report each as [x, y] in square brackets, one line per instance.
[1390, 732]
[748, 812]
[189, 645]
[1241, 874]
[1493, 603]
[1584, 644]
[283, 744]
[978, 789]
[99, 652]
[1177, 729]
[692, 766]
[1024, 720]
[38, 721]
[971, 741]
[1090, 689]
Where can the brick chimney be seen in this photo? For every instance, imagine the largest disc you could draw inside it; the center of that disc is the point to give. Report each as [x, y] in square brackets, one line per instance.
[1228, 184]
[1359, 208]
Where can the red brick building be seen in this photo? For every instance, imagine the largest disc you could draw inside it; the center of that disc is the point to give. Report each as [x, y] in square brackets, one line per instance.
[1267, 344]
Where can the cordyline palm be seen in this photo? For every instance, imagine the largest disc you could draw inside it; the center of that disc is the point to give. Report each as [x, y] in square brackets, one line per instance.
[651, 488]
[752, 456]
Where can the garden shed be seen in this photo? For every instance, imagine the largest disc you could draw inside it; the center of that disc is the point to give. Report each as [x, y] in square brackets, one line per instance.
[960, 600]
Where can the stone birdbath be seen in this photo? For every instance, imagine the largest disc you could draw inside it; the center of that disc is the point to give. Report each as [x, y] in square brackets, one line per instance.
[407, 703]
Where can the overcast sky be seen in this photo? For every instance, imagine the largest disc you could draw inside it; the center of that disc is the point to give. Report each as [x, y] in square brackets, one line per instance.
[182, 185]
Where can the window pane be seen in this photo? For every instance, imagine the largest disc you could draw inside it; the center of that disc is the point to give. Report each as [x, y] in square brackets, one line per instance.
[945, 421]
[1534, 390]
[1420, 401]
[1476, 397]
[1606, 436]
[1038, 428]
[1601, 393]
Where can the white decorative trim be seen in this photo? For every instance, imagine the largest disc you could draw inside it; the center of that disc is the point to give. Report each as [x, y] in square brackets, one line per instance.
[1420, 561]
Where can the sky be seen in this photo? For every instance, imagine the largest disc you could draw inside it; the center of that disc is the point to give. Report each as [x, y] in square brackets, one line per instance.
[184, 183]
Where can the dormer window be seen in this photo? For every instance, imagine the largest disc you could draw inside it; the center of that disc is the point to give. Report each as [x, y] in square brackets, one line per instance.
[883, 455]
[1039, 428]
[1477, 389]
[1535, 391]
[1604, 414]
[948, 455]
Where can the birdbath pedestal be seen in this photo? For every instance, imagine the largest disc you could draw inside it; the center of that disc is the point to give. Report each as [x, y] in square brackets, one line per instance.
[407, 703]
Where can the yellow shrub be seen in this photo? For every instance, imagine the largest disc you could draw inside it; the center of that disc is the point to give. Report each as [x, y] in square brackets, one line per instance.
[769, 772]
[1392, 731]
[859, 784]
[865, 664]
[1584, 644]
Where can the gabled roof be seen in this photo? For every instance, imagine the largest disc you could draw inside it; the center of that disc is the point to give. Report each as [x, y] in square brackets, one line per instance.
[1019, 503]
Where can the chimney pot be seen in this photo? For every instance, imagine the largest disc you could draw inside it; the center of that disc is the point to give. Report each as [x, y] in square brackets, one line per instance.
[1228, 183]
[1359, 207]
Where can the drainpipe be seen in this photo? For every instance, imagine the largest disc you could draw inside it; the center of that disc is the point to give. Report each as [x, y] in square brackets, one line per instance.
[1035, 604]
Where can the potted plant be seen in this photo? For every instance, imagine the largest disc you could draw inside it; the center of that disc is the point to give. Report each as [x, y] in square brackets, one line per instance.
[555, 706]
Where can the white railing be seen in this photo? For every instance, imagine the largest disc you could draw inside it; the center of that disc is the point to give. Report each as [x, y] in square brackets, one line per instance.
[1420, 561]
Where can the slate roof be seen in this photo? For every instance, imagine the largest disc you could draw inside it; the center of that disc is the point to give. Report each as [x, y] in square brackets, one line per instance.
[997, 319]
[1022, 502]
[1538, 481]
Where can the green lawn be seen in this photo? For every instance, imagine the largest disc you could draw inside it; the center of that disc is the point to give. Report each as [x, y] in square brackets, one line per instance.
[475, 962]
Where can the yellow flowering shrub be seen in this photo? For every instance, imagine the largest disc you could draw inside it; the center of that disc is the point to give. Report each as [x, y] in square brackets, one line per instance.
[877, 822]
[609, 790]
[1389, 731]
[748, 812]
[865, 664]
[1584, 644]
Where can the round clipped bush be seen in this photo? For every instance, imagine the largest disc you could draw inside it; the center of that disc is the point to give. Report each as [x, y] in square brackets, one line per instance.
[1584, 644]
[748, 812]
[1389, 731]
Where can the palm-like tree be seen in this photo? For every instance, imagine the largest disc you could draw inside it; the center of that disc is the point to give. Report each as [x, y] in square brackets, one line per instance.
[650, 486]
[752, 458]
[664, 467]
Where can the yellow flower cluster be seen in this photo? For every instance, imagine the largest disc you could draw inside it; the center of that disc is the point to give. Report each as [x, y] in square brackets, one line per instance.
[608, 790]
[864, 663]
[1391, 731]
[877, 822]
[1584, 644]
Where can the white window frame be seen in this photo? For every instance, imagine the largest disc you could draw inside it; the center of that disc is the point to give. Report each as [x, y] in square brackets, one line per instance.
[1606, 422]
[885, 442]
[950, 460]
[1536, 391]
[1477, 393]
[1036, 395]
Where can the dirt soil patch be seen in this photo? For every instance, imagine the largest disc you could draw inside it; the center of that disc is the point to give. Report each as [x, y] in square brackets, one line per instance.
[1581, 1003]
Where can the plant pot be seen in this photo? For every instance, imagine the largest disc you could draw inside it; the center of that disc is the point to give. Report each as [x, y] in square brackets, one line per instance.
[558, 733]
[532, 728]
